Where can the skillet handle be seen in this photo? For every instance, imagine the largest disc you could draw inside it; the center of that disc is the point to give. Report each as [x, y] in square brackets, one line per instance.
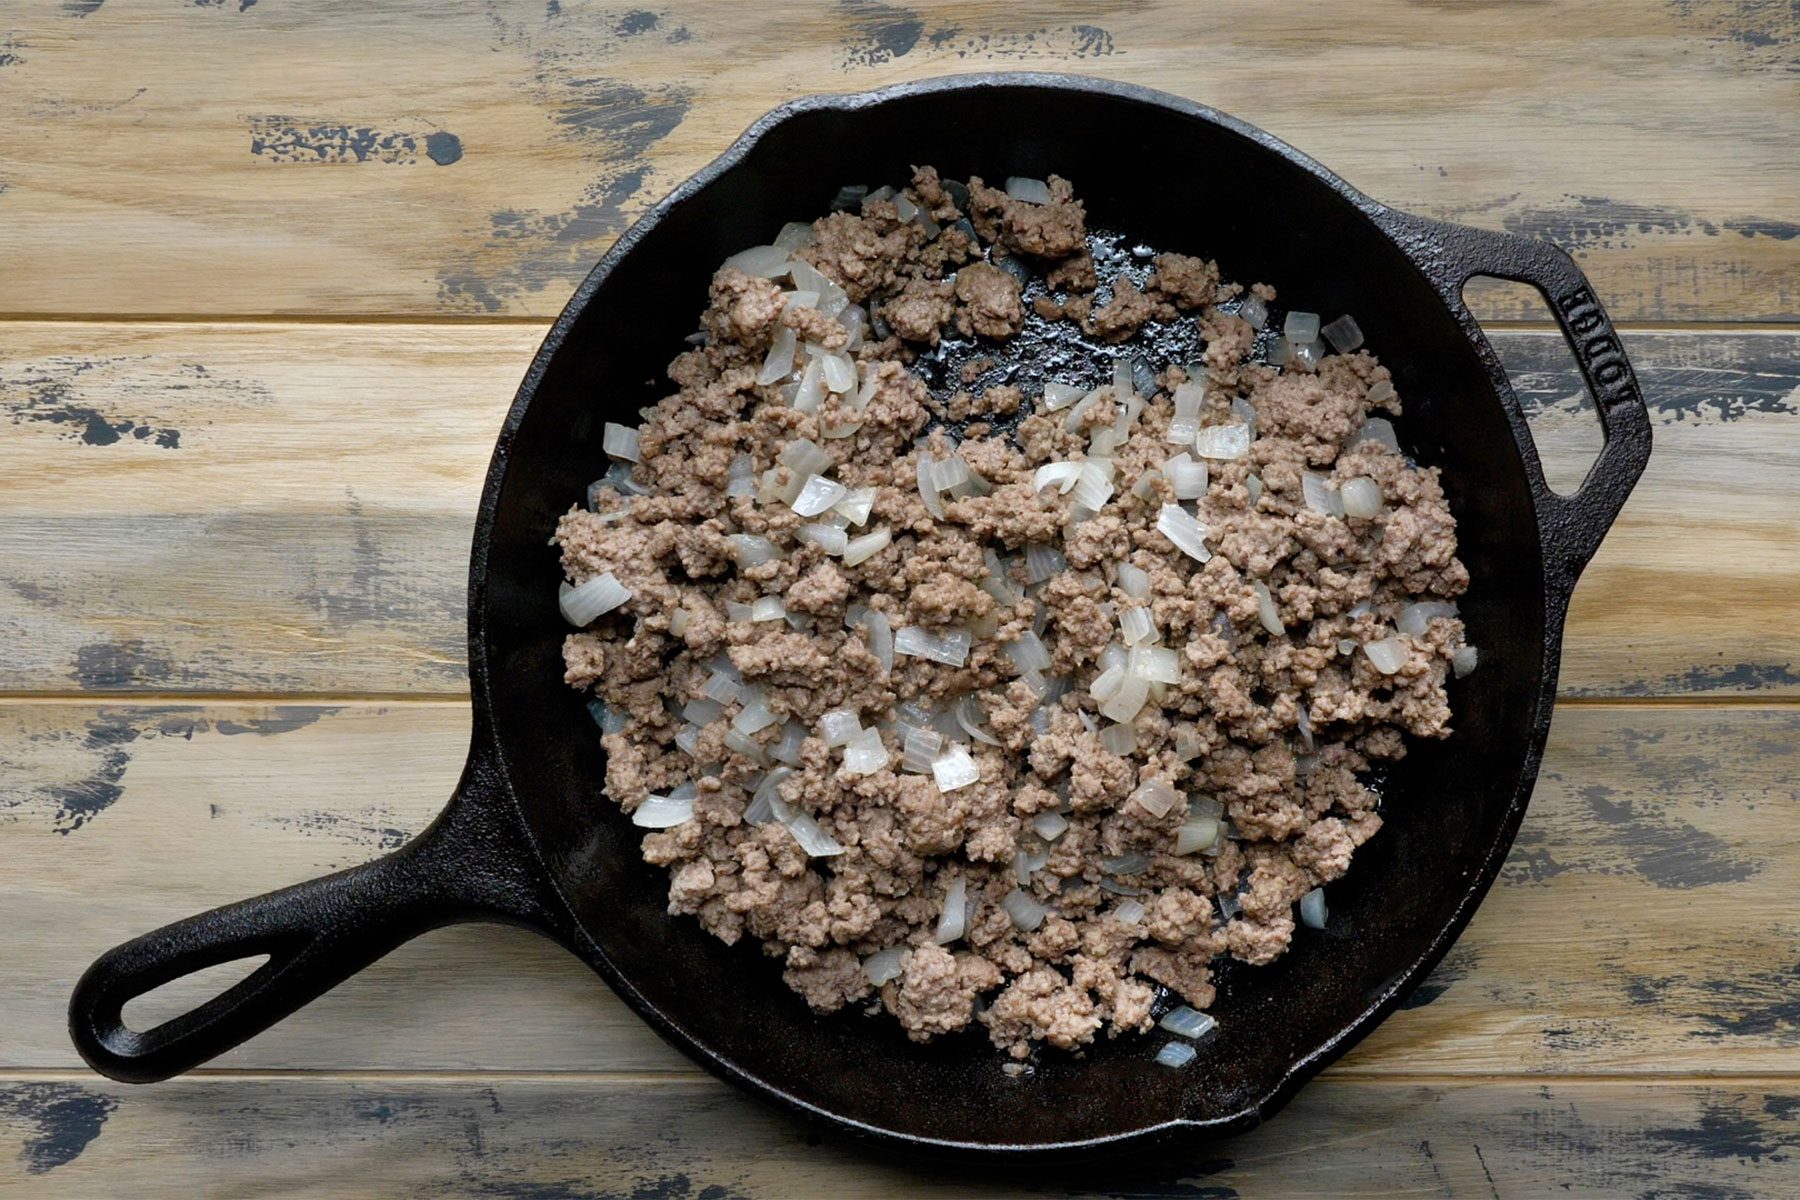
[470, 865]
[1571, 526]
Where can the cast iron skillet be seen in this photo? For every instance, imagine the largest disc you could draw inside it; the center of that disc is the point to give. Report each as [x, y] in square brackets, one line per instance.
[529, 839]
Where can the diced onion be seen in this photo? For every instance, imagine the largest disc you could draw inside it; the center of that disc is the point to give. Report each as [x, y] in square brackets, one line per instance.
[839, 726]
[742, 480]
[864, 753]
[1059, 475]
[856, 504]
[832, 298]
[1028, 653]
[752, 549]
[1281, 352]
[1050, 826]
[1041, 562]
[778, 364]
[787, 750]
[1223, 442]
[1189, 396]
[793, 235]
[1388, 654]
[621, 441]
[793, 300]
[1466, 659]
[884, 966]
[1106, 684]
[970, 718]
[920, 750]
[1026, 913]
[838, 371]
[1266, 611]
[1312, 909]
[817, 495]
[1128, 701]
[955, 769]
[1133, 581]
[1029, 861]
[951, 649]
[881, 635]
[1320, 495]
[1132, 863]
[1254, 311]
[764, 262]
[768, 608]
[1186, 1022]
[1154, 664]
[811, 391]
[1072, 422]
[1156, 798]
[766, 802]
[1197, 834]
[1344, 334]
[866, 546]
[585, 603]
[610, 720]
[1361, 497]
[1415, 619]
[1093, 487]
[1308, 354]
[1377, 429]
[928, 492]
[814, 840]
[1176, 1054]
[955, 916]
[755, 715]
[1300, 327]
[804, 457]
[1129, 912]
[744, 744]
[661, 812]
[828, 538]
[720, 687]
[1186, 532]
[1061, 395]
[1186, 476]
[1135, 626]
[1031, 191]
[1120, 739]
[1182, 430]
[1253, 485]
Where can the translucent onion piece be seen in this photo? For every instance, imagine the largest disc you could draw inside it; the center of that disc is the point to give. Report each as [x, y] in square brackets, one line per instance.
[688, 739]
[1186, 476]
[951, 649]
[1135, 626]
[755, 715]
[804, 457]
[955, 916]
[826, 537]
[1182, 430]
[857, 504]
[1184, 531]
[720, 688]
[585, 603]
[864, 753]
[1303, 724]
[812, 388]
[817, 495]
[661, 812]
[787, 750]
[1041, 562]
[1197, 834]
[1119, 739]
[1061, 395]
[1106, 684]
[1154, 664]
[1415, 619]
[607, 719]
[792, 300]
[839, 726]
[1050, 826]
[1072, 422]
[1347, 646]
[1320, 495]
[793, 235]
[1361, 497]
[1253, 485]
[884, 966]
[1254, 311]
[1029, 861]
[742, 481]
[768, 608]
[928, 492]
[752, 549]
[1266, 611]
[920, 749]
[1186, 1022]
[1344, 334]
[621, 441]
[1026, 913]
[1300, 327]
[1224, 442]
[832, 298]
[764, 262]
[1128, 701]
[1281, 352]
[839, 372]
[1176, 1054]
[998, 583]
[814, 840]
[955, 770]
[971, 719]
[1031, 191]
[1466, 659]
[1388, 654]
[778, 364]
[1028, 653]
[1156, 798]
[1377, 429]
[1189, 396]
[744, 744]
[1129, 912]
[1312, 909]
[881, 638]
[1093, 488]
[1134, 582]
[951, 472]
[1059, 475]
[1132, 863]
[866, 546]
[766, 801]
[1308, 354]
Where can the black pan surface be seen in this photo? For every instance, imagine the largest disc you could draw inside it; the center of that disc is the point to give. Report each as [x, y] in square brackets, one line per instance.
[529, 838]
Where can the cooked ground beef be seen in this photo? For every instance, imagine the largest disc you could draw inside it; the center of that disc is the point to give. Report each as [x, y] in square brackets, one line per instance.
[1098, 860]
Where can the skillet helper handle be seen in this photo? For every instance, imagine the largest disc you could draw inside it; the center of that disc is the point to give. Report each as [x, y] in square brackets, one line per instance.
[1571, 526]
[468, 866]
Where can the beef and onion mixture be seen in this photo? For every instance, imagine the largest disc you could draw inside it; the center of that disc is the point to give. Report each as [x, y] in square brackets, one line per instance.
[1002, 704]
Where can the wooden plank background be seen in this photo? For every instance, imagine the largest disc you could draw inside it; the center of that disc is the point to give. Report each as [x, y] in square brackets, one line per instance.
[269, 274]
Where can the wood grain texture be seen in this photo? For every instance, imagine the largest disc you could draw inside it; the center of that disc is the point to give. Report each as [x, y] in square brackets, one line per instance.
[1642, 924]
[610, 1138]
[422, 158]
[287, 508]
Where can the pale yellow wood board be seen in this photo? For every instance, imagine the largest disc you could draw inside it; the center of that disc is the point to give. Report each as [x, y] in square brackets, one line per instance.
[1642, 924]
[277, 158]
[309, 530]
[606, 1137]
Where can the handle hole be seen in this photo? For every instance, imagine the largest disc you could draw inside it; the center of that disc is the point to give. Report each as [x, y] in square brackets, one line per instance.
[162, 1004]
[1564, 422]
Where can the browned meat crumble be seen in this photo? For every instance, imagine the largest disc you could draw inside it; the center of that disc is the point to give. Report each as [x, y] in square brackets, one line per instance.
[1098, 850]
